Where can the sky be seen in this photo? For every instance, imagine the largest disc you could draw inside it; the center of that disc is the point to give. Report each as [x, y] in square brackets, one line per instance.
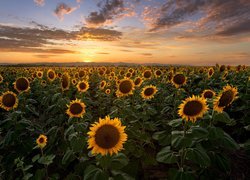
[189, 32]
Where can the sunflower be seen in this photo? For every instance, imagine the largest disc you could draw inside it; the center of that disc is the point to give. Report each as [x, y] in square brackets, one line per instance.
[158, 73]
[125, 87]
[51, 75]
[8, 101]
[102, 84]
[83, 86]
[76, 108]
[128, 75]
[1, 78]
[107, 136]
[148, 92]
[107, 91]
[41, 141]
[207, 93]
[178, 80]
[39, 74]
[192, 108]
[65, 82]
[147, 74]
[74, 81]
[138, 81]
[82, 73]
[222, 68]
[210, 72]
[22, 84]
[225, 98]
[43, 83]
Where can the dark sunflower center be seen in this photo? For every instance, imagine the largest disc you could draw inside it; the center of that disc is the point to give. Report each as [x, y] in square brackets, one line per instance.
[192, 108]
[9, 100]
[81, 73]
[128, 74]
[107, 136]
[149, 91]
[22, 84]
[65, 81]
[51, 75]
[158, 72]
[41, 140]
[222, 68]
[101, 72]
[147, 74]
[137, 81]
[102, 84]
[179, 79]
[76, 108]
[226, 98]
[208, 94]
[125, 87]
[210, 72]
[122, 72]
[39, 74]
[82, 86]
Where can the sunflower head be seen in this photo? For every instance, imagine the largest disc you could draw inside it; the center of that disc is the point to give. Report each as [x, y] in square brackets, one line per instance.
[179, 80]
[8, 101]
[125, 87]
[22, 84]
[148, 92]
[1, 78]
[138, 81]
[207, 93]
[83, 86]
[158, 73]
[82, 73]
[107, 136]
[51, 75]
[43, 83]
[192, 108]
[102, 84]
[222, 68]
[76, 108]
[225, 98]
[210, 72]
[41, 141]
[147, 74]
[39, 74]
[74, 81]
[65, 81]
[107, 91]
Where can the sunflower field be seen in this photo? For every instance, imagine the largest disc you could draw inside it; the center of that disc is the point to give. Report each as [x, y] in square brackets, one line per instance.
[119, 123]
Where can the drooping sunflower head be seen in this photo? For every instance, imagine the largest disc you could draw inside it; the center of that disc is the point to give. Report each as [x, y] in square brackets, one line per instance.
[147, 74]
[1, 78]
[102, 84]
[65, 81]
[210, 72]
[138, 81]
[225, 98]
[148, 92]
[39, 74]
[51, 75]
[222, 68]
[8, 101]
[41, 141]
[179, 80]
[208, 93]
[125, 87]
[76, 108]
[83, 86]
[192, 108]
[22, 84]
[107, 136]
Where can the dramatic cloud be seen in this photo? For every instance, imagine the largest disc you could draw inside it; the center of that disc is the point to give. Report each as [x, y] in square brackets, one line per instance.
[204, 17]
[39, 2]
[63, 9]
[110, 10]
[41, 39]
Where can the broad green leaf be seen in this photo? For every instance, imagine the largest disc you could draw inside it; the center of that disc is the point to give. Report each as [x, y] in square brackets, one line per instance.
[166, 155]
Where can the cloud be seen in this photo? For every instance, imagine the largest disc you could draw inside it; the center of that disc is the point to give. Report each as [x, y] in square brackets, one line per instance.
[110, 10]
[78, 1]
[42, 39]
[105, 53]
[200, 17]
[63, 9]
[146, 54]
[39, 2]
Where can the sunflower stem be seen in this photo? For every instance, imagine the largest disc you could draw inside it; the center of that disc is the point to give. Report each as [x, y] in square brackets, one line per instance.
[45, 166]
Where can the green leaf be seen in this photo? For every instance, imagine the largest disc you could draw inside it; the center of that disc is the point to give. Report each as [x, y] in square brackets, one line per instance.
[94, 173]
[68, 157]
[166, 155]
[27, 176]
[198, 156]
[215, 133]
[118, 161]
[26, 168]
[175, 122]
[163, 138]
[198, 132]
[175, 174]
[180, 141]
[228, 142]
[222, 117]
[35, 158]
[47, 160]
